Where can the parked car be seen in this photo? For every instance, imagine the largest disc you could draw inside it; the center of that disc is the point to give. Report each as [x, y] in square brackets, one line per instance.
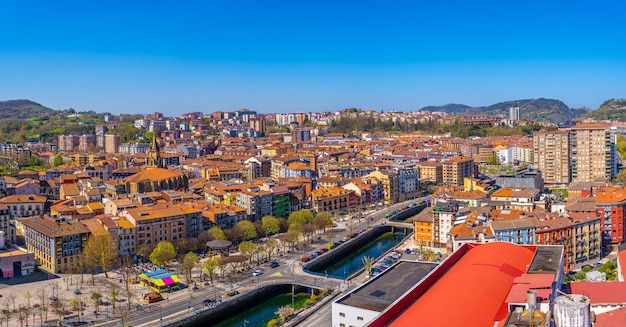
[407, 251]
[323, 250]
[305, 259]
[257, 272]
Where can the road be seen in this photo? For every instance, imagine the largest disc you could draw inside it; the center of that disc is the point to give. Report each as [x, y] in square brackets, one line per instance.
[183, 302]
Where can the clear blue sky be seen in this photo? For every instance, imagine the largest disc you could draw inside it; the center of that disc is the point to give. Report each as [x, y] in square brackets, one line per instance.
[281, 56]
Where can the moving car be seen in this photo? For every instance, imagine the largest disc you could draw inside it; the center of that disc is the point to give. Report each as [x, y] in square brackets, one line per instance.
[257, 272]
[274, 264]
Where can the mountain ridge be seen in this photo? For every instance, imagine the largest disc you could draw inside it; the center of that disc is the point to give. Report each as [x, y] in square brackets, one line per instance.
[540, 109]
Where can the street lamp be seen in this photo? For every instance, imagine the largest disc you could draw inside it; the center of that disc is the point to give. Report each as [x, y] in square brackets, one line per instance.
[245, 322]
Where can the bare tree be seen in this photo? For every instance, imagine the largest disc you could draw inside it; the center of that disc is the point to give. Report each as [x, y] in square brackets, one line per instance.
[11, 299]
[127, 272]
[114, 294]
[22, 314]
[44, 302]
[60, 308]
[96, 299]
[7, 313]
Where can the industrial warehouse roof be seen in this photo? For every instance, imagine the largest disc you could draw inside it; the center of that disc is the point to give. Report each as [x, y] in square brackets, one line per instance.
[473, 291]
[387, 287]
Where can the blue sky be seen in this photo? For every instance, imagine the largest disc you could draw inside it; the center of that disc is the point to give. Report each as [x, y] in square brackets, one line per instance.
[282, 56]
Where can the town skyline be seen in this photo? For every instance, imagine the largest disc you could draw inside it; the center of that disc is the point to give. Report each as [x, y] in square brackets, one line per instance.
[283, 58]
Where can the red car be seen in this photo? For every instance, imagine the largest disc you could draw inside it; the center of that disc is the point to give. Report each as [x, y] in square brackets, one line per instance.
[323, 250]
[305, 259]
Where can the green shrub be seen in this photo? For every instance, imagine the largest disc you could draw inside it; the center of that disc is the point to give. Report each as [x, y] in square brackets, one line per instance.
[273, 323]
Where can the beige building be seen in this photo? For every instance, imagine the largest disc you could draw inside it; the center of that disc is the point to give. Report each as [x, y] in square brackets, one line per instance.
[391, 184]
[430, 172]
[111, 143]
[552, 156]
[26, 205]
[456, 169]
[156, 223]
[592, 152]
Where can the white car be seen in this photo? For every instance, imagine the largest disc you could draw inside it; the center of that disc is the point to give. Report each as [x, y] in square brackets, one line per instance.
[257, 272]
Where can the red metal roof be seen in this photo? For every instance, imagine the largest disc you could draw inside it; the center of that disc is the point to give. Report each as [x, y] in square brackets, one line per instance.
[601, 293]
[473, 291]
[612, 318]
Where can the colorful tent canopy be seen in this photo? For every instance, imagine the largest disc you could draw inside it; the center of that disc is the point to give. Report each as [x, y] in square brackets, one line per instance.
[159, 279]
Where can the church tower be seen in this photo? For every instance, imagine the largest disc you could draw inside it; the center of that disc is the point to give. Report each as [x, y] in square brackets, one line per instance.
[154, 156]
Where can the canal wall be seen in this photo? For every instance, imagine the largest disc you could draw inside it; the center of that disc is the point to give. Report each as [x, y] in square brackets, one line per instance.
[319, 264]
[236, 305]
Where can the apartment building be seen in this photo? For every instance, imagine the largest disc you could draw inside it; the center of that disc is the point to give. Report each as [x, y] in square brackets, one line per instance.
[592, 152]
[57, 244]
[456, 169]
[26, 205]
[335, 200]
[5, 223]
[156, 223]
[610, 204]
[430, 172]
[111, 143]
[257, 203]
[390, 181]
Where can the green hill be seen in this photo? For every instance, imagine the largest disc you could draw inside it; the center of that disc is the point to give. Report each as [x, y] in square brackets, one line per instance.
[550, 110]
[613, 109]
[23, 109]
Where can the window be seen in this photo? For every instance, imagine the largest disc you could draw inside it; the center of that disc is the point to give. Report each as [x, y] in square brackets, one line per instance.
[341, 314]
[359, 318]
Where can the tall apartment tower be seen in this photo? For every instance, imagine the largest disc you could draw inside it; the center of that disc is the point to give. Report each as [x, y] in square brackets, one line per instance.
[456, 169]
[111, 143]
[552, 156]
[592, 152]
[514, 113]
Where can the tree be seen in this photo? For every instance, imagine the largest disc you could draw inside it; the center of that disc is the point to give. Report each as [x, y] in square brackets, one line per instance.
[126, 271]
[6, 310]
[285, 312]
[323, 220]
[217, 233]
[44, 302]
[368, 263]
[58, 160]
[101, 251]
[620, 178]
[246, 230]
[271, 225]
[307, 215]
[144, 251]
[307, 230]
[292, 237]
[189, 262]
[296, 219]
[96, 300]
[163, 253]
[270, 247]
[209, 266]
[114, 293]
[248, 249]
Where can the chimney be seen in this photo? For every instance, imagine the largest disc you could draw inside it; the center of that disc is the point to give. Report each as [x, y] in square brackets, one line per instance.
[531, 299]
